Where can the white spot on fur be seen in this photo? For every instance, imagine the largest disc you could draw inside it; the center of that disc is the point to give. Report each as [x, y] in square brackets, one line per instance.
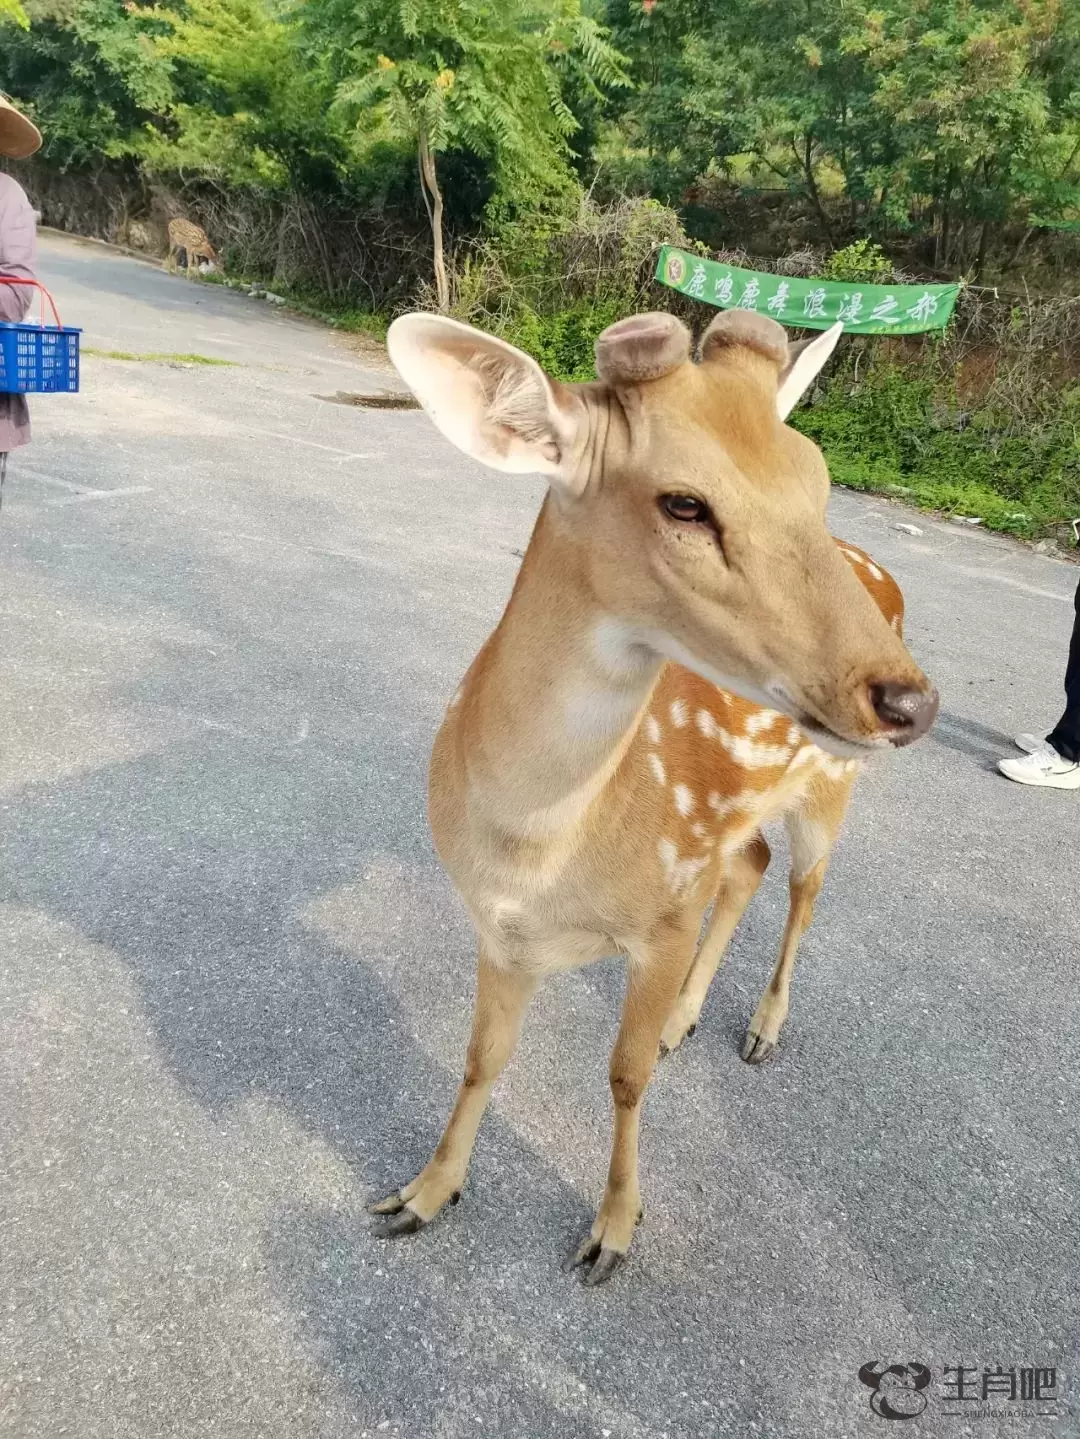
[867, 563]
[794, 734]
[679, 714]
[658, 768]
[762, 720]
[699, 831]
[805, 755]
[652, 729]
[748, 753]
[681, 874]
[723, 805]
[670, 648]
[684, 799]
[706, 724]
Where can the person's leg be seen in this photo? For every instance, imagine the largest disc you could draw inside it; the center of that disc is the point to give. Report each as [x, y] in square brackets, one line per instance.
[1055, 763]
[1065, 737]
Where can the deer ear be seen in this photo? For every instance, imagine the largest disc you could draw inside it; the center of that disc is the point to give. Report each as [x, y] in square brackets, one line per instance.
[490, 399]
[805, 361]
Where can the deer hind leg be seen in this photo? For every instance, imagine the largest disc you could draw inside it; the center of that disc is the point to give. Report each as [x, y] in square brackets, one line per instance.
[651, 988]
[502, 996]
[744, 874]
[812, 831]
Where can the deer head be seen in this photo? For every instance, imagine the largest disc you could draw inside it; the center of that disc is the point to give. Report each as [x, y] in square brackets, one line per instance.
[694, 513]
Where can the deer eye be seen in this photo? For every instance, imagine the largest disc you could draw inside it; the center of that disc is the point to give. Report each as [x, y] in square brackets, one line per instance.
[686, 508]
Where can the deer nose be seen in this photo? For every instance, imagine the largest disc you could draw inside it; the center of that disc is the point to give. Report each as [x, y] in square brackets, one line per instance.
[907, 713]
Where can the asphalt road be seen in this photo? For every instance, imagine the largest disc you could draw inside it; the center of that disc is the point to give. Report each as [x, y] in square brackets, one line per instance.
[235, 986]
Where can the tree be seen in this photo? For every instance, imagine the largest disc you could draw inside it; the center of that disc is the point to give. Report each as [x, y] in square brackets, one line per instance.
[986, 120]
[763, 84]
[247, 107]
[90, 77]
[960, 117]
[479, 75]
[11, 11]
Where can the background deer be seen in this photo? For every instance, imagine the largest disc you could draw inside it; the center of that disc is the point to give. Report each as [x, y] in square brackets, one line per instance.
[686, 655]
[192, 241]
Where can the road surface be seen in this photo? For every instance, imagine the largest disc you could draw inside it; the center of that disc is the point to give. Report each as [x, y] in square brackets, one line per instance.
[236, 986]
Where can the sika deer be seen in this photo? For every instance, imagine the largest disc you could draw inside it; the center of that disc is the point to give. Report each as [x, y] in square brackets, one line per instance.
[186, 237]
[686, 655]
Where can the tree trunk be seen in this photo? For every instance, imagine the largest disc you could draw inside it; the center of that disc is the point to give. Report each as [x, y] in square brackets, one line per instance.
[429, 184]
[1014, 258]
[811, 186]
[980, 261]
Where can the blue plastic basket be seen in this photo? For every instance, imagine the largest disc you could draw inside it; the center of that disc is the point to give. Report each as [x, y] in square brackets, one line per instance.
[38, 359]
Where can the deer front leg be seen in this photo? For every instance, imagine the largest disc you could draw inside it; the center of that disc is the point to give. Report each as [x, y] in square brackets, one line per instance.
[502, 996]
[651, 989]
[744, 874]
[812, 831]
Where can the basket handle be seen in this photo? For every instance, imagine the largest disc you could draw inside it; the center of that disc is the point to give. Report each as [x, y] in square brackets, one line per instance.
[43, 295]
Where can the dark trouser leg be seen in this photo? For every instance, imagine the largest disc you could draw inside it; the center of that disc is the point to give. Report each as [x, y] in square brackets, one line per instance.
[1066, 737]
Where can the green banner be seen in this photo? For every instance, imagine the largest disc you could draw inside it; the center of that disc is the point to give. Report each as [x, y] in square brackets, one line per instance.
[813, 304]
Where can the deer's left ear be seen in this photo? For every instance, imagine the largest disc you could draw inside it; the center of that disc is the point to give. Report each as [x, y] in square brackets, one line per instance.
[805, 361]
[490, 399]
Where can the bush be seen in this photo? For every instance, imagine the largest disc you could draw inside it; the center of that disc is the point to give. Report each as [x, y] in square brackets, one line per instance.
[564, 342]
[902, 430]
[551, 283]
[861, 262]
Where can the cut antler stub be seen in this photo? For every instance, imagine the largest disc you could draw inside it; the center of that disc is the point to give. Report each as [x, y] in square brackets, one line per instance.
[644, 347]
[743, 327]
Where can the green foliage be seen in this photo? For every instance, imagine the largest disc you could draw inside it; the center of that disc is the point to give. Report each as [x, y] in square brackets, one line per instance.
[943, 135]
[13, 13]
[89, 75]
[483, 76]
[931, 117]
[902, 429]
[564, 342]
[159, 357]
[860, 261]
[550, 283]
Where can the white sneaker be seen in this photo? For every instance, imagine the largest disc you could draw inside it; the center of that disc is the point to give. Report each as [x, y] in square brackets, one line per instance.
[1029, 743]
[1044, 766]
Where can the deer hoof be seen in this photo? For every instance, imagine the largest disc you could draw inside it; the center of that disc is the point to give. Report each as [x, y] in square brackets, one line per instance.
[673, 1036]
[755, 1048]
[602, 1268]
[393, 1217]
[392, 1226]
[596, 1262]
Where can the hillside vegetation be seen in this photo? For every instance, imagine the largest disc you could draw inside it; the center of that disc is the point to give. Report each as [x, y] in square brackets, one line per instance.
[518, 162]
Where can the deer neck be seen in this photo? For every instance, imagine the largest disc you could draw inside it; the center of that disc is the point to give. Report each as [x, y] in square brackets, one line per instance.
[554, 699]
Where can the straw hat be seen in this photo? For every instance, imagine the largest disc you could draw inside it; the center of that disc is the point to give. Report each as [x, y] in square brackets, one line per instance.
[19, 136]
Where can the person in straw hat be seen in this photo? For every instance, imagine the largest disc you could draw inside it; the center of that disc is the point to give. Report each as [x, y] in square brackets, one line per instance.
[19, 137]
